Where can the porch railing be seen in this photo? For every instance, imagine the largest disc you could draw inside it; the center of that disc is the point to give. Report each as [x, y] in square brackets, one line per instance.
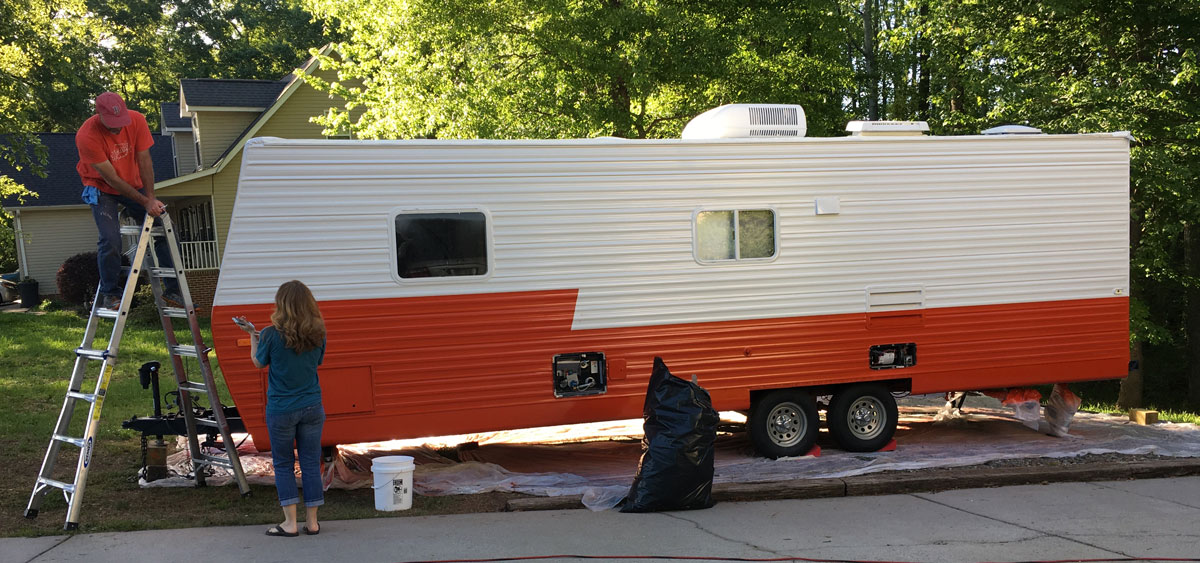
[199, 255]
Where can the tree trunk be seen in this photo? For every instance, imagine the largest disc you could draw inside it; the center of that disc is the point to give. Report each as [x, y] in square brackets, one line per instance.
[868, 10]
[1131, 387]
[1191, 264]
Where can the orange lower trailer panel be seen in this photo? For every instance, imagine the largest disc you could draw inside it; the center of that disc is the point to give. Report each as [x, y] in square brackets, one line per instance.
[413, 367]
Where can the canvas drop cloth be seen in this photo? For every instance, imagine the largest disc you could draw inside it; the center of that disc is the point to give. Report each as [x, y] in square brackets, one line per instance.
[599, 460]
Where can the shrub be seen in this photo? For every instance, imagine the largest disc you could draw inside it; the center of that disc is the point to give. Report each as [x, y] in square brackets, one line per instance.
[78, 278]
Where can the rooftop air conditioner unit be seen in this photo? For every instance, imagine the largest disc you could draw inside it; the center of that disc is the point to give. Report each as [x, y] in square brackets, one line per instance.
[735, 121]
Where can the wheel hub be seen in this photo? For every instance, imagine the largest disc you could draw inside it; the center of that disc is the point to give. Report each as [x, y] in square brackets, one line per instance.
[866, 418]
[786, 424]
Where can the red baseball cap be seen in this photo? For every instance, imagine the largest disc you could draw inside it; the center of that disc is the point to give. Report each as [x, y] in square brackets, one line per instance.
[112, 111]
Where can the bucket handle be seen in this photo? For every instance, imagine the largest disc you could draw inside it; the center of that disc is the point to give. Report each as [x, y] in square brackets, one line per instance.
[386, 483]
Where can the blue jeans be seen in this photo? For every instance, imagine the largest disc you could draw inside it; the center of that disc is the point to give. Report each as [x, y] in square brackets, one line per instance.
[300, 428]
[108, 250]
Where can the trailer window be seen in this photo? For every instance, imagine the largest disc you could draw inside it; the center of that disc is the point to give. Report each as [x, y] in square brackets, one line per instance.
[432, 245]
[739, 234]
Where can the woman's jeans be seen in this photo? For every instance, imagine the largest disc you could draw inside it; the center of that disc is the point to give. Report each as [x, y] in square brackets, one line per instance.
[300, 428]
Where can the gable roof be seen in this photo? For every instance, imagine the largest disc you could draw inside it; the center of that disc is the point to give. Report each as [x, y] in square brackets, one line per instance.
[171, 120]
[291, 82]
[61, 186]
[245, 95]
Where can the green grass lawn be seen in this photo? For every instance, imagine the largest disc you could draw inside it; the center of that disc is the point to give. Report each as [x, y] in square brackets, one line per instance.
[36, 358]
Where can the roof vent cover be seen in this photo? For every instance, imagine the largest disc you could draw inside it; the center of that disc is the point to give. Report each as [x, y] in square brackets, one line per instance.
[1012, 130]
[887, 128]
[748, 120]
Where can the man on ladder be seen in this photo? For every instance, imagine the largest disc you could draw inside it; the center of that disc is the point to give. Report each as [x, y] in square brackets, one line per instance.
[116, 169]
[114, 162]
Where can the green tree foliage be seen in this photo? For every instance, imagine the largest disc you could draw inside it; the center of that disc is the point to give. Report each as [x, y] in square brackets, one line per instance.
[531, 68]
[148, 46]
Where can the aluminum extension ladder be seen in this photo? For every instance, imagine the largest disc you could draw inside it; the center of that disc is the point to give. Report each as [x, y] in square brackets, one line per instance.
[108, 356]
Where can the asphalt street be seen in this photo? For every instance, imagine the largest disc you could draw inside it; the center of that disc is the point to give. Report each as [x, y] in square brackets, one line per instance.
[1152, 518]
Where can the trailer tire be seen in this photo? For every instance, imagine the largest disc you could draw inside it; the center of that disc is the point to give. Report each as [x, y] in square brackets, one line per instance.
[784, 423]
[862, 418]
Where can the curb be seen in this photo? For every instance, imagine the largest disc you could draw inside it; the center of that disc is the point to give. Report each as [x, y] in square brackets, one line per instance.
[889, 483]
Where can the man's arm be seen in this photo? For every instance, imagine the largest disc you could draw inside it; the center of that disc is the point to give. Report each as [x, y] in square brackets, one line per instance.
[147, 200]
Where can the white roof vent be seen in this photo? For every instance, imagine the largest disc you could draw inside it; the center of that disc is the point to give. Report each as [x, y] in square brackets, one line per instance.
[887, 128]
[1013, 130]
[748, 120]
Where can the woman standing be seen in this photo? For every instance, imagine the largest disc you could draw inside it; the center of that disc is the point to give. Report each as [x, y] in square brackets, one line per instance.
[292, 348]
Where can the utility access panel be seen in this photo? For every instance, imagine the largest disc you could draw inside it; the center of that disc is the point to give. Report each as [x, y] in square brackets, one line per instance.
[580, 374]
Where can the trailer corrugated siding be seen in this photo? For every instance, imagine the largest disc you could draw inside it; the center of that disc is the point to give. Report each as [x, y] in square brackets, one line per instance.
[1005, 259]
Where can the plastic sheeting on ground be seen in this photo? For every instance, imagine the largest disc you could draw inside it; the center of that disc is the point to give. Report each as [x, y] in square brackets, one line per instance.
[599, 460]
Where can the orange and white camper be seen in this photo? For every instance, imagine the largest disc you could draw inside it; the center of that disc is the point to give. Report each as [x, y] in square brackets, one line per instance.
[482, 285]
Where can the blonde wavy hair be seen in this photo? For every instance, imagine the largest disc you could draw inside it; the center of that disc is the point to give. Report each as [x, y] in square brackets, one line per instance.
[297, 317]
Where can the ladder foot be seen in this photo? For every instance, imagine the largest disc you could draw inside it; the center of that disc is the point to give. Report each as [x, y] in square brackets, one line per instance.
[71, 526]
[31, 513]
[246, 494]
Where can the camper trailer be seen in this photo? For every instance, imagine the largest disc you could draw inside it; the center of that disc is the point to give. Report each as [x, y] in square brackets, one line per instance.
[479, 285]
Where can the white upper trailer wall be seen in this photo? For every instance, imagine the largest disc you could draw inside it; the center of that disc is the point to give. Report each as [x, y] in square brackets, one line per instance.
[936, 221]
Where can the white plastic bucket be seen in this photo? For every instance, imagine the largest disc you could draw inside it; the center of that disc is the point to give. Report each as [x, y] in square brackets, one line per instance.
[393, 482]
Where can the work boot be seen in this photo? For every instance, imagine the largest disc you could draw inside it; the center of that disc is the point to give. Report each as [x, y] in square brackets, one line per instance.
[173, 297]
[110, 302]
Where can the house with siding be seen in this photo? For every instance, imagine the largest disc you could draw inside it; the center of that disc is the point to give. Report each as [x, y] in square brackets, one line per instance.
[207, 129]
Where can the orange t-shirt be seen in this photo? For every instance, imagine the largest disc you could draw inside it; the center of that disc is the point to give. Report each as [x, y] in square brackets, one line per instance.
[97, 144]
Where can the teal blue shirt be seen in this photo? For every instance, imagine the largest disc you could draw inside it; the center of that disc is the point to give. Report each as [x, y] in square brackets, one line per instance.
[291, 378]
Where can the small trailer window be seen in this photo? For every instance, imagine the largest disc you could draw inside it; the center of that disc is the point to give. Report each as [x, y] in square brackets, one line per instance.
[739, 234]
[432, 245]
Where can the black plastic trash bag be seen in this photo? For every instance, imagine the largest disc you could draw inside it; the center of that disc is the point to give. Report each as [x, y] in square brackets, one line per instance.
[676, 469]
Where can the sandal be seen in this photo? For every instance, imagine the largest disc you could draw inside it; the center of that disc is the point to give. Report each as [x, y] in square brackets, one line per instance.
[278, 531]
[309, 532]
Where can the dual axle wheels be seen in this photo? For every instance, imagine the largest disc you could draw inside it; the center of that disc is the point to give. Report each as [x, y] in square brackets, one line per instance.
[861, 418]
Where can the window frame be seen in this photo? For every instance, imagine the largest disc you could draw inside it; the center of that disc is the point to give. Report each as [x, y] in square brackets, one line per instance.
[393, 258]
[737, 235]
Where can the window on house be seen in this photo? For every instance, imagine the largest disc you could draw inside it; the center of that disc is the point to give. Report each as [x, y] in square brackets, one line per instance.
[736, 234]
[446, 244]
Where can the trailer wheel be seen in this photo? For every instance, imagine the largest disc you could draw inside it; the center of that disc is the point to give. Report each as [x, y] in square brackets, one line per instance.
[783, 423]
[862, 418]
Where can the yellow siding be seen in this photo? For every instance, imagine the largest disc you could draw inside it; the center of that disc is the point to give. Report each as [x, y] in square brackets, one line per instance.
[51, 236]
[218, 130]
[182, 186]
[292, 120]
[185, 153]
[224, 190]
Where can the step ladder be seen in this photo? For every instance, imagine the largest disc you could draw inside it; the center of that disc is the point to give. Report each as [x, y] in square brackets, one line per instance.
[107, 357]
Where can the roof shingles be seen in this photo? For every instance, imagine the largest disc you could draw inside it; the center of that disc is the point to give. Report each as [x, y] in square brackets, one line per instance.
[214, 92]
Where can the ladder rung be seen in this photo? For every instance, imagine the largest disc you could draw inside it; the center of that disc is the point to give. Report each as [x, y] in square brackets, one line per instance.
[108, 313]
[94, 354]
[187, 350]
[68, 487]
[137, 230]
[193, 387]
[77, 442]
[213, 460]
[162, 272]
[85, 396]
[175, 312]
